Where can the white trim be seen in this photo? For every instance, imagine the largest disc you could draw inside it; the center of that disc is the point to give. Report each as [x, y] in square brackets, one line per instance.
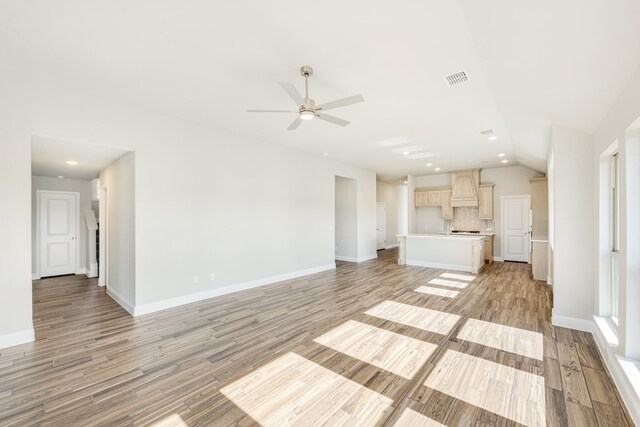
[367, 257]
[120, 300]
[199, 296]
[572, 323]
[76, 194]
[498, 259]
[630, 394]
[35, 276]
[395, 245]
[17, 338]
[92, 271]
[82, 271]
[346, 258]
[428, 264]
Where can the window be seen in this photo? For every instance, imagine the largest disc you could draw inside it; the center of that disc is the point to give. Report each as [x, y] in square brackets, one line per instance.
[615, 236]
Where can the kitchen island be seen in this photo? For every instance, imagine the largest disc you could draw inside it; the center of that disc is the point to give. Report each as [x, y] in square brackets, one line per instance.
[451, 252]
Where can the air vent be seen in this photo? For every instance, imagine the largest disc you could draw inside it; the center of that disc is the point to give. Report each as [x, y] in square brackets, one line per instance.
[488, 132]
[456, 78]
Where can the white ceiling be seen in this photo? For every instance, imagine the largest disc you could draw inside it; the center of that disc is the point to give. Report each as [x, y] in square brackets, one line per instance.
[49, 157]
[530, 64]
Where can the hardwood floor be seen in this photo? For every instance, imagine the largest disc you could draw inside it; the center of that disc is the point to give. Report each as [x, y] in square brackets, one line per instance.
[367, 344]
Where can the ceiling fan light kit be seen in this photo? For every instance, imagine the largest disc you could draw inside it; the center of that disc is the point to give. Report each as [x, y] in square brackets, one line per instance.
[307, 109]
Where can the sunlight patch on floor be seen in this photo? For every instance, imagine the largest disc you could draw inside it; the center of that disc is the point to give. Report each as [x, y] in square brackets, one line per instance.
[506, 338]
[506, 391]
[387, 350]
[448, 283]
[437, 291]
[417, 317]
[173, 420]
[411, 418]
[294, 390]
[457, 276]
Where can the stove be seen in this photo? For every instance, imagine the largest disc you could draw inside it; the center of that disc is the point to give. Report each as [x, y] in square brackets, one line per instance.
[465, 231]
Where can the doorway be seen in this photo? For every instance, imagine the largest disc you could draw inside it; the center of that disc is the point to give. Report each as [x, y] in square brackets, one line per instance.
[516, 228]
[346, 219]
[381, 225]
[57, 230]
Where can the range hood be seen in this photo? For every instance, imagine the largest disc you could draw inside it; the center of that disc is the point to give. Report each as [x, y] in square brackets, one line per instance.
[464, 188]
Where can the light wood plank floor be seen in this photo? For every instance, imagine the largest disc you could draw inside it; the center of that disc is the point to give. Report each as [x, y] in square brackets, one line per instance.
[368, 344]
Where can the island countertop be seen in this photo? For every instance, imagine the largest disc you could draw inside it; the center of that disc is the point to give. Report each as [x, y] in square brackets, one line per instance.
[446, 236]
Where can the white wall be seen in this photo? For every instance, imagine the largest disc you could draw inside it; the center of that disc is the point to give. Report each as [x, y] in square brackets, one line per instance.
[119, 180]
[206, 200]
[346, 219]
[54, 184]
[395, 198]
[509, 181]
[573, 278]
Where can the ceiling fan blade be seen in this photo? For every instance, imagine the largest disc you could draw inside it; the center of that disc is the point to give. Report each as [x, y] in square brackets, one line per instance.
[271, 111]
[293, 93]
[295, 124]
[340, 102]
[332, 119]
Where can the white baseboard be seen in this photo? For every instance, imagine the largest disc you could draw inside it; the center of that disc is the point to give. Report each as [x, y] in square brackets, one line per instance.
[356, 259]
[439, 265]
[199, 296]
[81, 271]
[93, 270]
[17, 338]
[395, 245]
[498, 259]
[629, 392]
[572, 323]
[35, 276]
[120, 300]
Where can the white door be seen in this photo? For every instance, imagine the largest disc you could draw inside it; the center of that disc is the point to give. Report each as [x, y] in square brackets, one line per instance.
[58, 238]
[381, 226]
[516, 228]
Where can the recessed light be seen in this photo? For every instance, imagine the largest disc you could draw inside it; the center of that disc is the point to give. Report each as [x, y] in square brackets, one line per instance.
[60, 177]
[405, 152]
[505, 161]
[429, 165]
[405, 182]
[437, 169]
[501, 155]
[71, 162]
[491, 138]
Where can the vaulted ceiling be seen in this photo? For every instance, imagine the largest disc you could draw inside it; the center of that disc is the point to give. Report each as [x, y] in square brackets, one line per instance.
[530, 64]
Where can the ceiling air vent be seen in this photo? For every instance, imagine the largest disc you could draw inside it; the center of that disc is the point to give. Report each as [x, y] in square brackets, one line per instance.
[487, 133]
[456, 78]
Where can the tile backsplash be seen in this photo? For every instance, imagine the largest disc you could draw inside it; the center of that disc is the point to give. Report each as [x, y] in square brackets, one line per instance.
[467, 218]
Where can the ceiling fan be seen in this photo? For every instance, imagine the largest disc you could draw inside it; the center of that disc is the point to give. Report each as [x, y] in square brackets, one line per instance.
[307, 108]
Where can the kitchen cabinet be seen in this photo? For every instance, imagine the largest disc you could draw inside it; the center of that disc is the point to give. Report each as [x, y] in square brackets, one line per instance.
[447, 209]
[488, 249]
[433, 198]
[464, 187]
[420, 198]
[485, 201]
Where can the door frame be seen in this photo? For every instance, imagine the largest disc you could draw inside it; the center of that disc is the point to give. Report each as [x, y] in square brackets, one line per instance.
[103, 227]
[384, 205]
[39, 194]
[502, 226]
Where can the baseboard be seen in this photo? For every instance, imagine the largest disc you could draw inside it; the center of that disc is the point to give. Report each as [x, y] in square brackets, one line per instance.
[438, 265]
[614, 364]
[35, 276]
[120, 300]
[152, 307]
[356, 259]
[93, 270]
[572, 323]
[395, 245]
[81, 271]
[17, 338]
[498, 259]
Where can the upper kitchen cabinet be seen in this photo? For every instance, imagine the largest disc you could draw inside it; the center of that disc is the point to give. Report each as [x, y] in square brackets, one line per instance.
[485, 201]
[420, 198]
[464, 187]
[447, 209]
[431, 196]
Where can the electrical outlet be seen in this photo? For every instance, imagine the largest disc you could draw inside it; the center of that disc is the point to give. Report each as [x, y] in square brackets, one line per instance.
[195, 280]
[213, 276]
